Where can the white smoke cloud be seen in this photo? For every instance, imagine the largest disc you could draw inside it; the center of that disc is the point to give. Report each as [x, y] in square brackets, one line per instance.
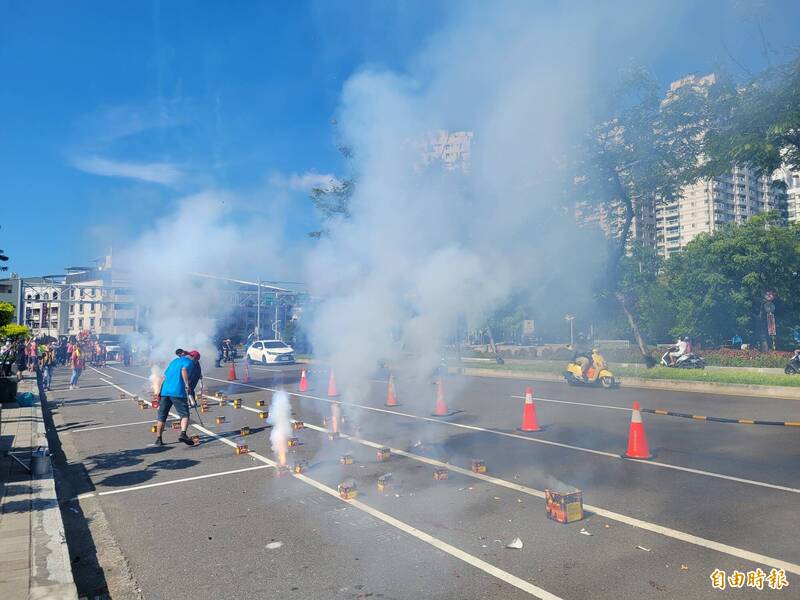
[425, 246]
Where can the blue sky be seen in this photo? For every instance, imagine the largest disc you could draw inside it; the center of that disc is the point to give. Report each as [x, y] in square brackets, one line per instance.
[112, 111]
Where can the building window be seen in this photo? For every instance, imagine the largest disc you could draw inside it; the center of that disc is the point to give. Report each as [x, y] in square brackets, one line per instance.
[91, 323]
[80, 323]
[70, 323]
[55, 295]
[28, 297]
[37, 297]
[46, 296]
[71, 308]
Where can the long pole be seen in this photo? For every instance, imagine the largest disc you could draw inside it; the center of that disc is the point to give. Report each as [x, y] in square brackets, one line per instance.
[571, 337]
[258, 310]
[275, 324]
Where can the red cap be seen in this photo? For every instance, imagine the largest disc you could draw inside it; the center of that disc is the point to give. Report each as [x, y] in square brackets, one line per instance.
[194, 354]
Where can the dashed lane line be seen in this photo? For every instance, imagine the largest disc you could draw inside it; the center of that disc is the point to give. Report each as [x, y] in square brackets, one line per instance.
[83, 429]
[146, 486]
[453, 551]
[615, 456]
[632, 521]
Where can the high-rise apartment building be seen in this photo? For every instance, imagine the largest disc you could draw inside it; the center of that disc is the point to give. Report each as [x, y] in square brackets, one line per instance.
[453, 149]
[707, 205]
[792, 180]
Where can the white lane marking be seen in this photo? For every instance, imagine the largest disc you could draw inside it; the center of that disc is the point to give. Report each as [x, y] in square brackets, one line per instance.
[537, 398]
[260, 368]
[632, 521]
[613, 455]
[82, 429]
[174, 415]
[402, 526]
[437, 543]
[145, 486]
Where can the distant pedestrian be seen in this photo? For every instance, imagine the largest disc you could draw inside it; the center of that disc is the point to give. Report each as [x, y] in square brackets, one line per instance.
[174, 393]
[78, 364]
[22, 359]
[48, 361]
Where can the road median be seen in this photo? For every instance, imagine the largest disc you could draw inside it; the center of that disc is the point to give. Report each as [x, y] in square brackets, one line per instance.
[708, 387]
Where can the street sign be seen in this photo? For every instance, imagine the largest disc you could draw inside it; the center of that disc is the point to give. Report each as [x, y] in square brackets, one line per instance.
[528, 327]
[569, 317]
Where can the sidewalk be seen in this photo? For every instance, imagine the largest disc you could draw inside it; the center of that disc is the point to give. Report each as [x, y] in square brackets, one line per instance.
[34, 562]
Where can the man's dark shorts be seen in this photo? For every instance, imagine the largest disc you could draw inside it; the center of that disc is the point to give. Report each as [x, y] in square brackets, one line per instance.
[181, 407]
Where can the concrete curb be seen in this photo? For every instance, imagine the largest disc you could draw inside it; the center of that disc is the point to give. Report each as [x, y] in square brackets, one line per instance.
[51, 571]
[728, 389]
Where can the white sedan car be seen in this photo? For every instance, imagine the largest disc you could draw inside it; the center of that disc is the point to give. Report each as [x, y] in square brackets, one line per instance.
[270, 351]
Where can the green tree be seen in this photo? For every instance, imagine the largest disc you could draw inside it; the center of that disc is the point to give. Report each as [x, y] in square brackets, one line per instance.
[640, 150]
[719, 281]
[755, 125]
[7, 328]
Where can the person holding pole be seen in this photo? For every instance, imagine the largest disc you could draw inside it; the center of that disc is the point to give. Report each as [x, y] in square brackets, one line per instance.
[175, 391]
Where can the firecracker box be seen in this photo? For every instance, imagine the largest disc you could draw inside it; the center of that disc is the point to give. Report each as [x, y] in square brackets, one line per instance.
[300, 466]
[346, 459]
[282, 470]
[176, 425]
[564, 508]
[220, 420]
[296, 425]
[347, 491]
[384, 454]
[384, 481]
[142, 404]
[242, 449]
[153, 429]
[244, 431]
[292, 442]
[440, 473]
[204, 408]
[478, 466]
[237, 403]
[222, 402]
[263, 415]
[259, 403]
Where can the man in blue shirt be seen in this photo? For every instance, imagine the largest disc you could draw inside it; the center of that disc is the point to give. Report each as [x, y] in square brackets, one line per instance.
[174, 393]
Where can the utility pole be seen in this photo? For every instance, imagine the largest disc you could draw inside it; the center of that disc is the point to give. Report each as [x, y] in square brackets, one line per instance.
[275, 324]
[258, 310]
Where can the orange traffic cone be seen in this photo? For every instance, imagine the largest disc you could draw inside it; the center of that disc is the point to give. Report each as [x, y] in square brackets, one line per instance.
[441, 406]
[637, 440]
[529, 421]
[332, 393]
[303, 387]
[232, 372]
[391, 396]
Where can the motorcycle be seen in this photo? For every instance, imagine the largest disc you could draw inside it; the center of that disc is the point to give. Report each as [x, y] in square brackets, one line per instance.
[602, 377]
[793, 366]
[692, 360]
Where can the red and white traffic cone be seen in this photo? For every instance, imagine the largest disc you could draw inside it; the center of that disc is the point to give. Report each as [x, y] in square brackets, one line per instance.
[529, 420]
[332, 392]
[391, 396]
[637, 440]
[232, 372]
[303, 387]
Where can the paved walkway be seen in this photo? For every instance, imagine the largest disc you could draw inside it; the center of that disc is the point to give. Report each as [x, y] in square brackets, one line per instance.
[33, 559]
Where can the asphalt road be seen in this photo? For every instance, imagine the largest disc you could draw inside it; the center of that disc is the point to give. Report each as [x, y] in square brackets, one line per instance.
[204, 522]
